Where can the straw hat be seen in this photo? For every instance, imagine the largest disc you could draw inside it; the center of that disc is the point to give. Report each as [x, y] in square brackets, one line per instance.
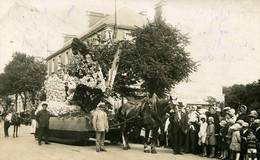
[101, 105]
[231, 112]
[223, 123]
[44, 103]
[245, 124]
[195, 107]
[240, 122]
[254, 112]
[243, 106]
[236, 126]
[203, 116]
[257, 121]
[226, 108]
[211, 119]
[252, 115]
[230, 121]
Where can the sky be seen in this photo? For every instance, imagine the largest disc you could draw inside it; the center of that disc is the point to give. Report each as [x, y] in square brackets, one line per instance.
[224, 34]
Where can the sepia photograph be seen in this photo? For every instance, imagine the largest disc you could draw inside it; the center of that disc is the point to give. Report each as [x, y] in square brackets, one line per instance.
[129, 79]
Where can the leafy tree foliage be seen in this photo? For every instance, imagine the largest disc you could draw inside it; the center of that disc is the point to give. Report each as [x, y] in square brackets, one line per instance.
[161, 60]
[155, 59]
[248, 95]
[23, 75]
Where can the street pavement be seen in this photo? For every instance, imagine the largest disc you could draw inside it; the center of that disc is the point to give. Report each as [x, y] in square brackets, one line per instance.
[25, 147]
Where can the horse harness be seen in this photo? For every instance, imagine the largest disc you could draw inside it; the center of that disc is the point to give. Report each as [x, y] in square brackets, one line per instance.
[138, 116]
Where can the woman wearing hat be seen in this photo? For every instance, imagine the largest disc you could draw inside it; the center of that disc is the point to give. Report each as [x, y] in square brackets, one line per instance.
[230, 116]
[223, 146]
[252, 118]
[203, 133]
[211, 139]
[235, 146]
[242, 114]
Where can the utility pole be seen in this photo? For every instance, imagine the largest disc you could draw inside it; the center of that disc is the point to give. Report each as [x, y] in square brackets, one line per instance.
[115, 28]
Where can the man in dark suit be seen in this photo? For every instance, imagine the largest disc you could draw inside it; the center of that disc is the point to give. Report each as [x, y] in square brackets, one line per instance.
[175, 117]
[184, 127]
[42, 118]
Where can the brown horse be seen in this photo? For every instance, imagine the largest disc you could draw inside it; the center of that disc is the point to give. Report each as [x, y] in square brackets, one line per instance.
[11, 119]
[150, 115]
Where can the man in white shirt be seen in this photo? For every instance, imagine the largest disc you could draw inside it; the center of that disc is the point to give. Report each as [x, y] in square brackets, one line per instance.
[100, 124]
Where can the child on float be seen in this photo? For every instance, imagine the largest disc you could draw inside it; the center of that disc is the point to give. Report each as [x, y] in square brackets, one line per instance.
[203, 134]
[223, 144]
[235, 146]
[211, 139]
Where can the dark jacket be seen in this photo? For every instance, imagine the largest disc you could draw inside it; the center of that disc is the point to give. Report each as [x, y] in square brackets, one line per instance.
[243, 140]
[33, 116]
[257, 134]
[175, 122]
[184, 122]
[243, 117]
[42, 117]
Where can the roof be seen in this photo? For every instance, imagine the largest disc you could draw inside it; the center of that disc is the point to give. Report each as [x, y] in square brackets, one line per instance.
[126, 19]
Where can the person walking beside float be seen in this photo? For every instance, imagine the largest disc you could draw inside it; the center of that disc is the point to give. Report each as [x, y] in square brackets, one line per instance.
[100, 124]
[33, 121]
[42, 118]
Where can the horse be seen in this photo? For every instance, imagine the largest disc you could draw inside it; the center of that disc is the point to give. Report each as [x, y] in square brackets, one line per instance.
[12, 119]
[149, 114]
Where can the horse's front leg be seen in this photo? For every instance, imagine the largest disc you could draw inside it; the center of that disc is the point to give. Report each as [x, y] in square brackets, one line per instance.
[154, 139]
[6, 127]
[17, 131]
[145, 140]
[124, 140]
[14, 132]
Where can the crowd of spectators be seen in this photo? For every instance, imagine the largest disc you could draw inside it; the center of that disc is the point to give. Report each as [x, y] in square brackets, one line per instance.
[223, 133]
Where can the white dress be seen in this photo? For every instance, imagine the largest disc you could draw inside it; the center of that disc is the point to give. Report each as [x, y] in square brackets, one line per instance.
[203, 132]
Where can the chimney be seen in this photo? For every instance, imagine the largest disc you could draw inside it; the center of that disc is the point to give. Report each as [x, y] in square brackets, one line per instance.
[95, 17]
[67, 37]
[160, 10]
[143, 13]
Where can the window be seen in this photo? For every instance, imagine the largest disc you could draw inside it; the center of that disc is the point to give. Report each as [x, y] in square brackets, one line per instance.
[59, 62]
[66, 57]
[48, 65]
[52, 66]
[109, 34]
[127, 35]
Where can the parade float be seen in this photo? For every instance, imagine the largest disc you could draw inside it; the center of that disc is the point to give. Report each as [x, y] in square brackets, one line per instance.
[73, 94]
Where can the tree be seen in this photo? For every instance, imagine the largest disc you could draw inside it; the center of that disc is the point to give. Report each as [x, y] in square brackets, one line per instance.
[22, 76]
[160, 57]
[212, 100]
[155, 59]
[248, 95]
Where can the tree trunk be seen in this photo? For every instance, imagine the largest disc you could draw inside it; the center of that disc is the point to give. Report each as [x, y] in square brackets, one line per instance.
[23, 99]
[16, 97]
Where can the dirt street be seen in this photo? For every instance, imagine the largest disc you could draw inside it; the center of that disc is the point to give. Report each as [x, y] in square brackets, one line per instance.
[25, 147]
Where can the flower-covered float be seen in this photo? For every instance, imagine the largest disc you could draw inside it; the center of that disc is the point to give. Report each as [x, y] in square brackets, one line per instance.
[72, 95]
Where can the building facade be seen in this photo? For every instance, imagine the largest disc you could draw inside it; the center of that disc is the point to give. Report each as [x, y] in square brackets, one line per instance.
[101, 26]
